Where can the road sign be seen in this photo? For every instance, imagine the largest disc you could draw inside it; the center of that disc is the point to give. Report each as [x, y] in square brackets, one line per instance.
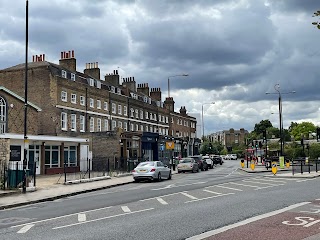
[274, 168]
[170, 145]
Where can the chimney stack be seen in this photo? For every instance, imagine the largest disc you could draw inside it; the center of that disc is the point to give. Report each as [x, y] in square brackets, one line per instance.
[112, 78]
[169, 104]
[92, 70]
[155, 94]
[68, 61]
[143, 88]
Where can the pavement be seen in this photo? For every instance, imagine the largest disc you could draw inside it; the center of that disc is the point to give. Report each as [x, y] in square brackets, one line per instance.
[51, 187]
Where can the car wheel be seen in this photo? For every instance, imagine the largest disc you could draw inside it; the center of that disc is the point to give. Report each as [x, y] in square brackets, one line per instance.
[159, 177]
[170, 176]
[179, 171]
[198, 170]
[136, 180]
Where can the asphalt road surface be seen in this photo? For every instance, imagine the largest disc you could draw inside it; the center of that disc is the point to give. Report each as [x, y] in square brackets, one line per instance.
[186, 206]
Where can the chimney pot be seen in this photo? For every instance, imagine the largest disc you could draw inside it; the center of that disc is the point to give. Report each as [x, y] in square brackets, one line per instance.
[114, 72]
[72, 53]
[69, 55]
[132, 78]
[43, 55]
[33, 58]
[61, 55]
[117, 72]
[97, 64]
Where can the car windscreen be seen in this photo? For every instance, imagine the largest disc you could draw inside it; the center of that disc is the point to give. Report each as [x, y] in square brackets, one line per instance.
[145, 164]
[185, 161]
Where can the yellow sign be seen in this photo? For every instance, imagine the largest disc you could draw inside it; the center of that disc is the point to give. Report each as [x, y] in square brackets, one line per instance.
[170, 145]
[242, 163]
[274, 168]
[287, 164]
[253, 164]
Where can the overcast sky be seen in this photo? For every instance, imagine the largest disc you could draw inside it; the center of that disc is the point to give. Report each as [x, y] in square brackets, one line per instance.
[233, 50]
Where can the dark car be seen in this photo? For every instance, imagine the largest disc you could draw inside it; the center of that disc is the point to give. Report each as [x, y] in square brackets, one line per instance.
[217, 160]
[202, 163]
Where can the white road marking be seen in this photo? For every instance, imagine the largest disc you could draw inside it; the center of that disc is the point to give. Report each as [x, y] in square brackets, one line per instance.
[82, 217]
[249, 220]
[147, 199]
[270, 180]
[230, 188]
[231, 172]
[188, 195]
[173, 185]
[50, 219]
[99, 219]
[26, 228]
[245, 185]
[270, 184]
[287, 179]
[125, 209]
[206, 190]
[200, 199]
[304, 180]
[160, 200]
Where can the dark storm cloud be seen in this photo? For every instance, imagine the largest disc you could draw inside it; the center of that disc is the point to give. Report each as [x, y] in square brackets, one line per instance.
[308, 6]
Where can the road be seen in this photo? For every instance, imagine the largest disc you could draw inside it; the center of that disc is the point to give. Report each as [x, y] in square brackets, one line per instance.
[187, 205]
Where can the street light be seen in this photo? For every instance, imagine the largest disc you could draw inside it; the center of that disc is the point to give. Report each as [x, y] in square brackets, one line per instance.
[202, 118]
[178, 75]
[277, 88]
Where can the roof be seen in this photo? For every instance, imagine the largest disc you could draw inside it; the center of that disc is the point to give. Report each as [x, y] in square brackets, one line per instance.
[30, 65]
[20, 98]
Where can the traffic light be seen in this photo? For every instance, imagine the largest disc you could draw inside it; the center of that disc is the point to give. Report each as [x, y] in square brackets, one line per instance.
[257, 144]
[260, 144]
[301, 141]
[264, 135]
[318, 134]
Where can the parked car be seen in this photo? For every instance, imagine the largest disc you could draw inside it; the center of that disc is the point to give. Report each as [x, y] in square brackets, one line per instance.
[153, 170]
[233, 157]
[217, 159]
[202, 164]
[208, 161]
[187, 164]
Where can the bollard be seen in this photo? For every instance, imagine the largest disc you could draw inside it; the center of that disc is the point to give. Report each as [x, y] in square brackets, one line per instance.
[65, 173]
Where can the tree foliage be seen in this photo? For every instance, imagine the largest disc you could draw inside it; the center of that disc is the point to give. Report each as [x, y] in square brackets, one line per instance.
[262, 126]
[317, 23]
[302, 130]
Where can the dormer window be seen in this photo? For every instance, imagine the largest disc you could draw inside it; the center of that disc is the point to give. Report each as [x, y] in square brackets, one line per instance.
[119, 91]
[113, 89]
[91, 82]
[99, 84]
[73, 77]
[63, 73]
[149, 100]
[158, 104]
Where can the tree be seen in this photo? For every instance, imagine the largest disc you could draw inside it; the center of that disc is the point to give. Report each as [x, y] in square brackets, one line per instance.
[302, 130]
[316, 14]
[263, 125]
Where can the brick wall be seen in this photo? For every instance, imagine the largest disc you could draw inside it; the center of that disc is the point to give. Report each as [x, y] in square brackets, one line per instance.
[4, 151]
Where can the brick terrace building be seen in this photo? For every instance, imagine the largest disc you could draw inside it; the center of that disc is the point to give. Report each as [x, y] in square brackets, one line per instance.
[124, 120]
[229, 137]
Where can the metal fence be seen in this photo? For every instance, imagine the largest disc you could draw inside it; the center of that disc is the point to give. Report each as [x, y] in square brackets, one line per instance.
[102, 167]
[12, 175]
[305, 165]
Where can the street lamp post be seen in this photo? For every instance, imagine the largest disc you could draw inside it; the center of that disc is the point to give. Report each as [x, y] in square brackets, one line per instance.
[178, 75]
[277, 88]
[202, 118]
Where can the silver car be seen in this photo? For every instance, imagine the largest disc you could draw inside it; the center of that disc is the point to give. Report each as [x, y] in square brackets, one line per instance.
[188, 164]
[154, 170]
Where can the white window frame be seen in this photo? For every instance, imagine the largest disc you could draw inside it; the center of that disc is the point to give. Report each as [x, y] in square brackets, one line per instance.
[82, 123]
[64, 96]
[137, 113]
[141, 114]
[141, 128]
[91, 82]
[106, 106]
[99, 124]
[114, 125]
[91, 124]
[98, 104]
[91, 103]
[64, 121]
[147, 128]
[125, 110]
[131, 127]
[119, 109]
[63, 73]
[82, 100]
[73, 98]
[147, 115]
[151, 129]
[125, 126]
[106, 125]
[73, 77]
[119, 124]
[137, 127]
[114, 108]
[73, 119]
[131, 112]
